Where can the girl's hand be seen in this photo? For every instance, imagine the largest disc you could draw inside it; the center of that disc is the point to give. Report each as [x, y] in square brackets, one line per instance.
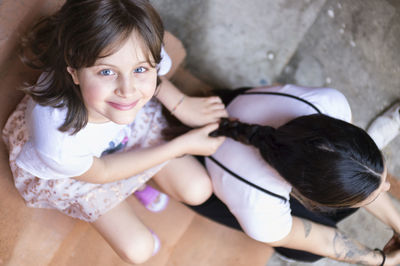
[198, 141]
[200, 111]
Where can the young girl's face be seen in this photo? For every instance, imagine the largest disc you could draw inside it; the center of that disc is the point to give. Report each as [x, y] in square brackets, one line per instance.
[117, 86]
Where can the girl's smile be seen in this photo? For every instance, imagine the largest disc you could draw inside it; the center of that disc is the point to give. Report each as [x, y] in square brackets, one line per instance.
[123, 107]
[118, 85]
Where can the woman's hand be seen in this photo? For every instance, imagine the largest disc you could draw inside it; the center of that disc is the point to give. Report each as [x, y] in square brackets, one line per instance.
[200, 111]
[392, 258]
[198, 141]
[393, 244]
[392, 250]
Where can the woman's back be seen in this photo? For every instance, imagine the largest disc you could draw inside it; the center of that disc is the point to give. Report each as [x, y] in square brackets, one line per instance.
[265, 217]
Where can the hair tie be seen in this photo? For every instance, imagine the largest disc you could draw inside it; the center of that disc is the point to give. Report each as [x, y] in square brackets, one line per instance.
[383, 255]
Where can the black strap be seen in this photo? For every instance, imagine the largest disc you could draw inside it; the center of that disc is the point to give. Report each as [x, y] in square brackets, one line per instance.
[285, 95]
[245, 92]
[245, 181]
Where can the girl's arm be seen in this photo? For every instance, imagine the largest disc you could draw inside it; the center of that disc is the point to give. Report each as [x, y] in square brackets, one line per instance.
[192, 111]
[330, 242]
[117, 166]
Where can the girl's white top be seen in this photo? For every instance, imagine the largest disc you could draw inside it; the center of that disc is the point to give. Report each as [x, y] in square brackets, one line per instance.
[264, 217]
[52, 154]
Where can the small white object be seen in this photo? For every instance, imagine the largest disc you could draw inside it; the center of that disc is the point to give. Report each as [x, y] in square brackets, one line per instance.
[288, 70]
[386, 126]
[157, 243]
[270, 55]
[331, 13]
[328, 80]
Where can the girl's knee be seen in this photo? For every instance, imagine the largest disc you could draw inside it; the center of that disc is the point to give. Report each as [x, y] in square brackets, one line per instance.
[139, 250]
[197, 191]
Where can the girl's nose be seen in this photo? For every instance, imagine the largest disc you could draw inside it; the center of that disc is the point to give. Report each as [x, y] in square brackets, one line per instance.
[125, 88]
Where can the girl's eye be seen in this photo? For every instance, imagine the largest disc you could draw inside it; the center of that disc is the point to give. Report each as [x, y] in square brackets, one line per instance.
[106, 72]
[140, 70]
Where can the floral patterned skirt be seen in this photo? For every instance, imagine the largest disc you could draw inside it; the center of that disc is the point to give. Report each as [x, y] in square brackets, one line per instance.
[78, 199]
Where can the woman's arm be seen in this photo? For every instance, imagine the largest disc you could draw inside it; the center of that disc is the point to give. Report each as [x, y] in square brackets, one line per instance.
[123, 165]
[383, 209]
[330, 242]
[192, 111]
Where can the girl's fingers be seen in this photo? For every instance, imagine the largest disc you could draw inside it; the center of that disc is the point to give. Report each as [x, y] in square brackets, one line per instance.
[217, 114]
[221, 139]
[211, 127]
[222, 113]
[216, 106]
[214, 99]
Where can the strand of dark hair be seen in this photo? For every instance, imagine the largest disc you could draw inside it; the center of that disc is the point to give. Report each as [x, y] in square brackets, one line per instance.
[329, 161]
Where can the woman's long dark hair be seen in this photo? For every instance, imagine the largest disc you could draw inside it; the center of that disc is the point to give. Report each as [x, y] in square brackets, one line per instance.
[329, 161]
[76, 36]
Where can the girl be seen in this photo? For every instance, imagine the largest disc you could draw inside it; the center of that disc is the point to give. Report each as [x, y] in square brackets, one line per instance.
[101, 62]
[290, 175]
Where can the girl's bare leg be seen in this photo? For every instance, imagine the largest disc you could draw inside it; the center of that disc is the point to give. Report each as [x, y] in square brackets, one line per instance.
[126, 234]
[186, 180]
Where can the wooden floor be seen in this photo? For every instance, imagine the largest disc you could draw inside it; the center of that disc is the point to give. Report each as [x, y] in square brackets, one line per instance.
[44, 237]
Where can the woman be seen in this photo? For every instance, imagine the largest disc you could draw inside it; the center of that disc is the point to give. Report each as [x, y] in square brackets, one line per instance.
[290, 182]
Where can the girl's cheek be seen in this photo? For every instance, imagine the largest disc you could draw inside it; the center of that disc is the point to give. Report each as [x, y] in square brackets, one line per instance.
[148, 86]
[95, 89]
[91, 96]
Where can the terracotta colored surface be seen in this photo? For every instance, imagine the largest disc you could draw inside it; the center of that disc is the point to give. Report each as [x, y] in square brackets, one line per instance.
[16, 17]
[189, 84]
[46, 237]
[394, 186]
[212, 244]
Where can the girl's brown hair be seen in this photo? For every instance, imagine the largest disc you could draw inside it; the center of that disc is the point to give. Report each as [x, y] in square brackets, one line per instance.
[76, 36]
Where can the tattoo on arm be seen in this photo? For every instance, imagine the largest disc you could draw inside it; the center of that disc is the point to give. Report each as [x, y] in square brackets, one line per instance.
[347, 249]
[307, 227]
